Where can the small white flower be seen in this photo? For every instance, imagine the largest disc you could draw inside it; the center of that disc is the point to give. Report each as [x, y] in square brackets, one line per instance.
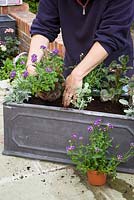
[3, 48]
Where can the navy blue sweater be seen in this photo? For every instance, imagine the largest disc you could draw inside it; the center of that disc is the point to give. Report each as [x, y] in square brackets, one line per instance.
[105, 21]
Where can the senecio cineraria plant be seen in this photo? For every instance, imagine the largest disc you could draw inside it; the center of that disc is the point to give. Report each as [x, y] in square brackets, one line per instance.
[48, 74]
[94, 154]
[83, 97]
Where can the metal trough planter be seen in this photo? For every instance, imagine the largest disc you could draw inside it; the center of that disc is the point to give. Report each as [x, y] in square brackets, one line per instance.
[42, 132]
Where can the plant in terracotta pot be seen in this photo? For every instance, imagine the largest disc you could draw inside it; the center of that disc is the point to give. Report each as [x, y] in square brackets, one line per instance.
[93, 157]
[47, 84]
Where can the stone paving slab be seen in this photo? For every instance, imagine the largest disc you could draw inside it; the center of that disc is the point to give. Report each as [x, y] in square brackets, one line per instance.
[59, 185]
[13, 166]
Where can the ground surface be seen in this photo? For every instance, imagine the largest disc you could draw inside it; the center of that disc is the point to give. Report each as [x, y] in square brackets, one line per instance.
[24, 179]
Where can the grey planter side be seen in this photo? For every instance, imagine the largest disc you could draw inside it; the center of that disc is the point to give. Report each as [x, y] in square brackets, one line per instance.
[42, 132]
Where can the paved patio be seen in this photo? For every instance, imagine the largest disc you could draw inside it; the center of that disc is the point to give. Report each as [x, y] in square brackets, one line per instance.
[25, 179]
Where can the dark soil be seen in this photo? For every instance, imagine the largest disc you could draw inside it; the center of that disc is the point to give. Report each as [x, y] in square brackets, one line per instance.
[95, 105]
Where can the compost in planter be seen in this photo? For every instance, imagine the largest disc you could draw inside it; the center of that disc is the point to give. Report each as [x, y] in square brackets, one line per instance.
[95, 105]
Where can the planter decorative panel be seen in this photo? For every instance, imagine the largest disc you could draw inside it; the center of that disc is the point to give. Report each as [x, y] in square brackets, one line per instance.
[42, 132]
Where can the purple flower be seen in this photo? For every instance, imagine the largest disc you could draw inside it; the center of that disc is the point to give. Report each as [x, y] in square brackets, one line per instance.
[80, 138]
[119, 157]
[43, 47]
[12, 74]
[90, 128]
[74, 136]
[132, 144]
[48, 69]
[55, 51]
[33, 57]
[109, 125]
[25, 74]
[70, 148]
[22, 62]
[97, 122]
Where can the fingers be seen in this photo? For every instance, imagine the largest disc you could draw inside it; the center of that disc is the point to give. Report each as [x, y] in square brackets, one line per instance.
[66, 98]
[70, 92]
[68, 95]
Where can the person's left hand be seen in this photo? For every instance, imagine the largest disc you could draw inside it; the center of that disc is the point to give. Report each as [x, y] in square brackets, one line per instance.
[72, 83]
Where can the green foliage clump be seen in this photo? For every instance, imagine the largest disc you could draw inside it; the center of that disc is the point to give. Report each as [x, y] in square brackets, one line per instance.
[94, 154]
[9, 46]
[33, 5]
[48, 78]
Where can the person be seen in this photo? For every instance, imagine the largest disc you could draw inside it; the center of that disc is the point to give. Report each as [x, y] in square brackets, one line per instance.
[97, 29]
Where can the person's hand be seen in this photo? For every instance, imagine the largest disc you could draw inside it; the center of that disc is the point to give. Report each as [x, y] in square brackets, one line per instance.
[31, 70]
[72, 83]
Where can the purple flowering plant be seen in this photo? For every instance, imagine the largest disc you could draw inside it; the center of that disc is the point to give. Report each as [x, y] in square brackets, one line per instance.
[10, 71]
[48, 77]
[94, 154]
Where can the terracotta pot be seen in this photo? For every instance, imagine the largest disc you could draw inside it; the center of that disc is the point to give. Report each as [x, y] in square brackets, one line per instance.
[96, 178]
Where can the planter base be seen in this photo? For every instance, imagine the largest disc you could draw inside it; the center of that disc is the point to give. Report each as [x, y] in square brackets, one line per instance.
[42, 132]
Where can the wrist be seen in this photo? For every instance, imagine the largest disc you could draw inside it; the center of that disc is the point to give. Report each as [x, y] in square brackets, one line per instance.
[77, 74]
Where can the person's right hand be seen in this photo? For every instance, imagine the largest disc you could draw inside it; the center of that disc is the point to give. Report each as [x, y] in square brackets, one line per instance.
[31, 70]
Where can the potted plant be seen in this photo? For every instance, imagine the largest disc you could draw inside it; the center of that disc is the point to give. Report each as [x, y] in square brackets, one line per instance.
[47, 84]
[93, 157]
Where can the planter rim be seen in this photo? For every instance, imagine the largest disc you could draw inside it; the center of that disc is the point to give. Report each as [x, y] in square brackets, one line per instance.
[69, 110]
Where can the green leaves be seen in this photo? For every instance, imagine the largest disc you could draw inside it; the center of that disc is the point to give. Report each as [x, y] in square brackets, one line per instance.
[129, 103]
[108, 82]
[94, 154]
[83, 97]
[9, 48]
[48, 74]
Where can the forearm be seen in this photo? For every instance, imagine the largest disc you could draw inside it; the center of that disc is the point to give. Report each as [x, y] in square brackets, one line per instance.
[36, 42]
[94, 57]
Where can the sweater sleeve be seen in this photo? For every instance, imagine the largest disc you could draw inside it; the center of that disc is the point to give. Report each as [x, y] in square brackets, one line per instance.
[47, 21]
[115, 24]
